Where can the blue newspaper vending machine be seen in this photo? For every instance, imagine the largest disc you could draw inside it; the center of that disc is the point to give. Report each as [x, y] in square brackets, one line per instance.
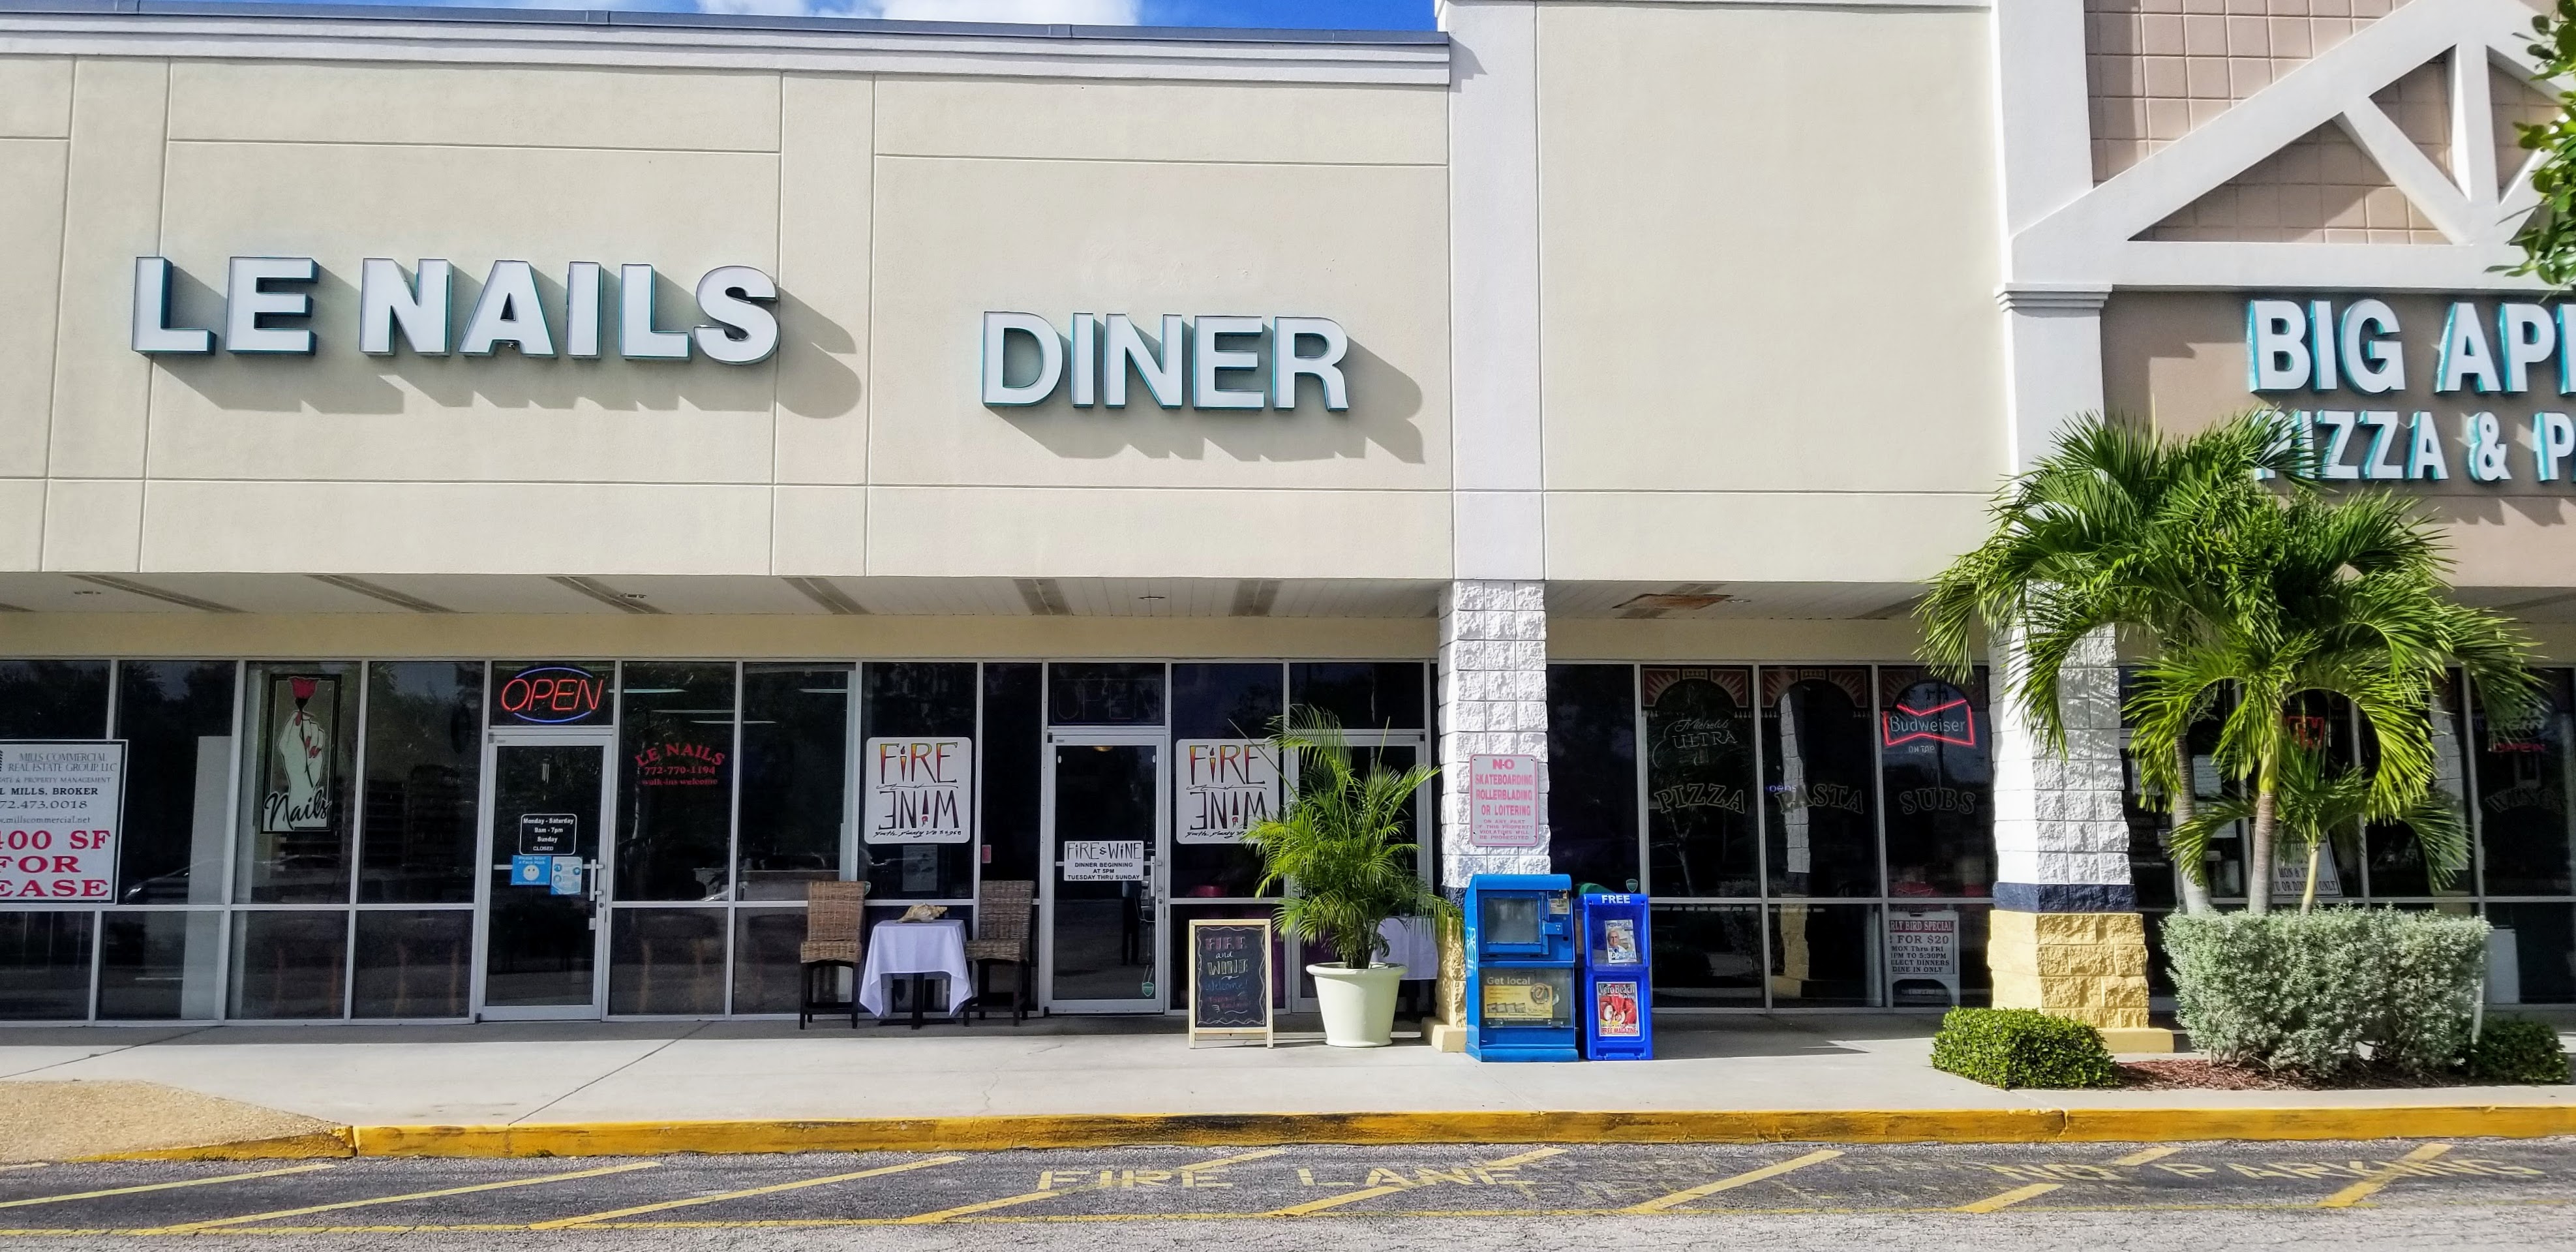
[1618, 1018]
[1521, 958]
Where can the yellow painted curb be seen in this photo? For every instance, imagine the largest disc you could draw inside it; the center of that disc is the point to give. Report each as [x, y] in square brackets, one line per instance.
[339, 1141]
[950, 1134]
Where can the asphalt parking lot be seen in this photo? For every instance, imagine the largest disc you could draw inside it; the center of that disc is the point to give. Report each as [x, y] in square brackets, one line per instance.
[1413, 1183]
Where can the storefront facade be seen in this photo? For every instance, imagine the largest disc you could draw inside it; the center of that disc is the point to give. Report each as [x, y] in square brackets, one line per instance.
[531, 492]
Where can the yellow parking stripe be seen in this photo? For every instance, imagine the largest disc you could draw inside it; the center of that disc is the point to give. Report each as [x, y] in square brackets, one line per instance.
[1030, 1197]
[2157, 1153]
[217, 1223]
[2370, 1186]
[160, 1186]
[772, 1189]
[1679, 1198]
[2010, 1198]
[1371, 1193]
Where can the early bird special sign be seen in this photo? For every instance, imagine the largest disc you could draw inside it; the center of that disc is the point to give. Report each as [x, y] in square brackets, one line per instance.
[59, 809]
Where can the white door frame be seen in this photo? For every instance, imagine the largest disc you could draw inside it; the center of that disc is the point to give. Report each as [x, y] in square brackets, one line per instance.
[1156, 877]
[603, 738]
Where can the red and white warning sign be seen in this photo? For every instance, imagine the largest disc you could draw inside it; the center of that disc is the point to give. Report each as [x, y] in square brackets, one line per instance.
[59, 810]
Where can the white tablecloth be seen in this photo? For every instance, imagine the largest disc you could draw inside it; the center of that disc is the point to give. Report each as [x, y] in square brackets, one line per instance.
[899, 948]
[1411, 943]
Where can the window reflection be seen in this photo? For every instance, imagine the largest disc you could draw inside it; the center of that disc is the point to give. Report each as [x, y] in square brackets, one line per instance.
[795, 761]
[1935, 743]
[1817, 783]
[424, 770]
[1699, 781]
[675, 781]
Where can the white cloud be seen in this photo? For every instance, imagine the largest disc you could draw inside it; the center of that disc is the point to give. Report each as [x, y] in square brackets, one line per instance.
[1041, 12]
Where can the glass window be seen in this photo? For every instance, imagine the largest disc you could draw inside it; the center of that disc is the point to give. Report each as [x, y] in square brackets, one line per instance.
[795, 774]
[1220, 702]
[1825, 955]
[1122, 693]
[553, 693]
[2522, 796]
[2156, 877]
[177, 720]
[675, 782]
[1362, 695]
[765, 966]
[53, 699]
[296, 828]
[1933, 743]
[413, 963]
[424, 770]
[1699, 781]
[1707, 955]
[289, 963]
[2535, 945]
[1009, 756]
[1936, 956]
[667, 962]
[929, 699]
[2396, 858]
[44, 965]
[1817, 778]
[1592, 774]
[161, 965]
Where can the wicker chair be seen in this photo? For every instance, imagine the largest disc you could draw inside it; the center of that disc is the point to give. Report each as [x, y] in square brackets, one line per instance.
[1004, 935]
[833, 914]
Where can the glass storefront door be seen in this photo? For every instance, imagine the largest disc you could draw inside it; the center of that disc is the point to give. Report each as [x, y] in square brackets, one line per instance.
[545, 804]
[1105, 816]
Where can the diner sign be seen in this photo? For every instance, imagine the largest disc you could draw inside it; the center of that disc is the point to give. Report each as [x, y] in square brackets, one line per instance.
[918, 789]
[60, 805]
[1230, 979]
[1502, 802]
[1228, 786]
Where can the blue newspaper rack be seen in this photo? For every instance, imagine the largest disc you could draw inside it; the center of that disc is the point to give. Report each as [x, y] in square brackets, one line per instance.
[1521, 968]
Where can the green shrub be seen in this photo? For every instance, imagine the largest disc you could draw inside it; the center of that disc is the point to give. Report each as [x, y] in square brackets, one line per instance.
[2022, 1048]
[2318, 993]
[2518, 1050]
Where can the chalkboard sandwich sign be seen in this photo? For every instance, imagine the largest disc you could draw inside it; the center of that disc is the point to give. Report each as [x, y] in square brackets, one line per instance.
[1230, 979]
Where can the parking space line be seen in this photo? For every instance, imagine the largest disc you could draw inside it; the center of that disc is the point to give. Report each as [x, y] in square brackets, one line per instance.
[2010, 1198]
[1685, 1196]
[1031, 1197]
[1371, 1193]
[772, 1189]
[161, 1186]
[2157, 1153]
[220, 1222]
[2387, 1174]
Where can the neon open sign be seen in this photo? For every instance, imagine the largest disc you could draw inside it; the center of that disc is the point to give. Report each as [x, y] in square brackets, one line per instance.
[552, 695]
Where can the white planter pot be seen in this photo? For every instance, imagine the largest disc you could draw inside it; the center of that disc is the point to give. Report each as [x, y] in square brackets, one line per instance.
[1358, 1004]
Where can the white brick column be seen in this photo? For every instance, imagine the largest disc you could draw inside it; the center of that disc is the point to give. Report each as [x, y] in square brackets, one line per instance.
[1493, 700]
[2061, 839]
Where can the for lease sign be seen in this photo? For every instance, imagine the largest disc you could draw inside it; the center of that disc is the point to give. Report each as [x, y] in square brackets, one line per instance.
[58, 819]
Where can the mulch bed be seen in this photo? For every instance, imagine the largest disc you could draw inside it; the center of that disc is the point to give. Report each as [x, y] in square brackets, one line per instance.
[2199, 1075]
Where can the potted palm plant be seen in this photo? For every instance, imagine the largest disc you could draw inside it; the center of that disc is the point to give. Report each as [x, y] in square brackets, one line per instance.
[1339, 847]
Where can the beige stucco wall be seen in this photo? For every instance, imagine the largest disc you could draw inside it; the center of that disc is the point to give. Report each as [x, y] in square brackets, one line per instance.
[1769, 261]
[2178, 358]
[893, 212]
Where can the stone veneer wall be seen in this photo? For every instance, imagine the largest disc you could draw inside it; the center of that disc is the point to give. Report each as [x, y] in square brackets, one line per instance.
[1493, 700]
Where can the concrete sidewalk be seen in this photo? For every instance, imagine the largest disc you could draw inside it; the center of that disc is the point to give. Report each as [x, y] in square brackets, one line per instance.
[502, 1074]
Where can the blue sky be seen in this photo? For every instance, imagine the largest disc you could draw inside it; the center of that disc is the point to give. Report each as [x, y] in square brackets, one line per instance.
[1305, 14]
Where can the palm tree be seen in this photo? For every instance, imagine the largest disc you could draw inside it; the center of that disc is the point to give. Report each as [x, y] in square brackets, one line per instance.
[1341, 843]
[2095, 537]
[2315, 803]
[2341, 597]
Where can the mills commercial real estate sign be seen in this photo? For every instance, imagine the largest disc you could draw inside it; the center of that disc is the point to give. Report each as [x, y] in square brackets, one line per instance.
[2315, 348]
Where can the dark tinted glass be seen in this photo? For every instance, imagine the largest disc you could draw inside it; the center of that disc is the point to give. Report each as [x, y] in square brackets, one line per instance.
[424, 769]
[2522, 795]
[53, 699]
[44, 966]
[1699, 781]
[1817, 769]
[413, 963]
[765, 968]
[796, 764]
[161, 965]
[1707, 955]
[1824, 955]
[1123, 693]
[2542, 942]
[1362, 695]
[2397, 865]
[1220, 702]
[1934, 740]
[675, 781]
[177, 720]
[667, 962]
[1592, 774]
[918, 698]
[1224, 701]
[297, 832]
[288, 964]
[1010, 757]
